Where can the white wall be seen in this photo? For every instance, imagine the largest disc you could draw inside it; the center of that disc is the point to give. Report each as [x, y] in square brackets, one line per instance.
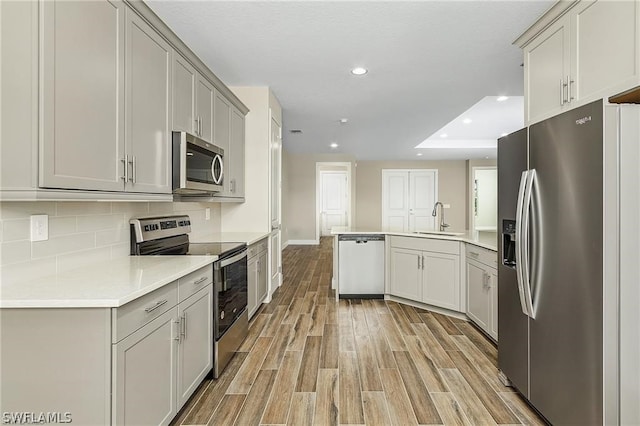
[487, 193]
[80, 233]
[451, 190]
[300, 199]
[254, 214]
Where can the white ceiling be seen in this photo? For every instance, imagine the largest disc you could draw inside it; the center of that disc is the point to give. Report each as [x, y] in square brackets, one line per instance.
[428, 62]
[475, 132]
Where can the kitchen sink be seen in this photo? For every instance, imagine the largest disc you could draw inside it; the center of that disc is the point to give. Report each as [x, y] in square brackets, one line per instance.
[450, 234]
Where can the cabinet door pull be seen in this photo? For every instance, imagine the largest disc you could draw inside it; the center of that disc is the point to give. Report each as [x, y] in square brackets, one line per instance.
[125, 160]
[561, 92]
[201, 280]
[183, 331]
[419, 262]
[197, 128]
[177, 323]
[571, 97]
[422, 261]
[133, 168]
[474, 254]
[156, 306]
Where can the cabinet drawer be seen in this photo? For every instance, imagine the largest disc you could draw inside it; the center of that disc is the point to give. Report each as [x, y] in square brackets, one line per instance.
[487, 257]
[139, 312]
[257, 248]
[426, 244]
[192, 283]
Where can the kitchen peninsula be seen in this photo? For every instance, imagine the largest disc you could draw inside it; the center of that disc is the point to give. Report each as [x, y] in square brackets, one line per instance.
[449, 272]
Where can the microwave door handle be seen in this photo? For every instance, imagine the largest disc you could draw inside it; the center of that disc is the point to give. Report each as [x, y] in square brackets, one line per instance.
[217, 179]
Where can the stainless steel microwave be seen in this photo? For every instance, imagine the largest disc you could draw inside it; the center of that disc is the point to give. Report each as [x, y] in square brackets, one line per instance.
[197, 165]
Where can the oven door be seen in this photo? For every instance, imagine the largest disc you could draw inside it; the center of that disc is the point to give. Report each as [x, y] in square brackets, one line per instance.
[197, 165]
[230, 298]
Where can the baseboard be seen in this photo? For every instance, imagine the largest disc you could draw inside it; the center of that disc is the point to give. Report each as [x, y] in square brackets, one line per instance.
[303, 242]
[284, 245]
[427, 307]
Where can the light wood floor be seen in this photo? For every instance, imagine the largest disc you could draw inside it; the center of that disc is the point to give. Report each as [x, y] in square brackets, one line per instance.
[311, 360]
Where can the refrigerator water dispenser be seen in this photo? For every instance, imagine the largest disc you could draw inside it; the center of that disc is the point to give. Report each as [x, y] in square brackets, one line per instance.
[509, 243]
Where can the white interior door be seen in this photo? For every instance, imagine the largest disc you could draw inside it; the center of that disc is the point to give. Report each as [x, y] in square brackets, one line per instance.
[333, 199]
[395, 200]
[276, 177]
[422, 196]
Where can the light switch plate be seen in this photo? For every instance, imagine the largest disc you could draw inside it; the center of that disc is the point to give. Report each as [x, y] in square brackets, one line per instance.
[446, 206]
[207, 213]
[39, 227]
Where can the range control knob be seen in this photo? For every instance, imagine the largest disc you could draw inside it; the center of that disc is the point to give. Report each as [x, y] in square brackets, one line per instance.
[221, 314]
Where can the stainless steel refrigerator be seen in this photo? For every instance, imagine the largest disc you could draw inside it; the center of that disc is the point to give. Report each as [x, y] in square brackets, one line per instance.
[559, 277]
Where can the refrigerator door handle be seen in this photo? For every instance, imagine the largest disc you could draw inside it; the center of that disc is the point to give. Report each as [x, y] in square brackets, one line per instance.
[519, 237]
[526, 275]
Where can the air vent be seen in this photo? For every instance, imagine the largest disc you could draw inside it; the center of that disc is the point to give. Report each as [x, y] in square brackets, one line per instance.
[295, 131]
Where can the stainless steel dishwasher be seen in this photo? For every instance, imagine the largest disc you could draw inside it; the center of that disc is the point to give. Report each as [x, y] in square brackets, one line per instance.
[361, 266]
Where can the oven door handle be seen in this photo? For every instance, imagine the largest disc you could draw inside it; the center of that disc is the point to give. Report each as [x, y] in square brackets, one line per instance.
[234, 259]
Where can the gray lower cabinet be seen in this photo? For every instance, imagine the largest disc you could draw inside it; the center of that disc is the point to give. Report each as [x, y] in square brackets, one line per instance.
[145, 371]
[157, 367]
[195, 348]
[482, 289]
[263, 280]
[132, 365]
[426, 271]
[257, 278]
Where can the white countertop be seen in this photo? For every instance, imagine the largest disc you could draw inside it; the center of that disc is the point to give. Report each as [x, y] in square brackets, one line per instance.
[108, 284]
[235, 237]
[465, 237]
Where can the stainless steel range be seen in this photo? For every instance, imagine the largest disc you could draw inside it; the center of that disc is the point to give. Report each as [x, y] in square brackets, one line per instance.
[169, 235]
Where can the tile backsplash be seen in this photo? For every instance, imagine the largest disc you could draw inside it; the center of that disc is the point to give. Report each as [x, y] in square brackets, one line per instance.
[80, 233]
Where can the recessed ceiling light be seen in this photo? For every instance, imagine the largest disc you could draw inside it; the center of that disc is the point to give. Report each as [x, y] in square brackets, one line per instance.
[444, 135]
[359, 71]
[334, 145]
[503, 134]
[502, 98]
[419, 154]
[466, 121]
[344, 120]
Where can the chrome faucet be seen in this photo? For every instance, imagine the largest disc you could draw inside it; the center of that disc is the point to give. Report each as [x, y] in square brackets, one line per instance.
[435, 213]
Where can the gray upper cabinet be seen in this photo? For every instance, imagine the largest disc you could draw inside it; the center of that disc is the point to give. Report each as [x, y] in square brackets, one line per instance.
[204, 109]
[184, 95]
[102, 85]
[222, 135]
[88, 141]
[148, 106]
[229, 134]
[193, 100]
[235, 173]
[82, 97]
